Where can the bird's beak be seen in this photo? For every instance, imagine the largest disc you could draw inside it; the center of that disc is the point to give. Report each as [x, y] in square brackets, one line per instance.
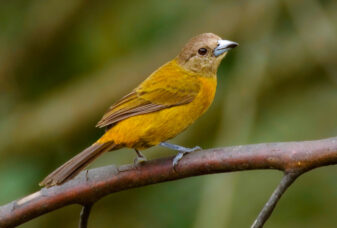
[224, 46]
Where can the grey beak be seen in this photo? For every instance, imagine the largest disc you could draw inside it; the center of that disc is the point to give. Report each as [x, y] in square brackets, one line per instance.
[224, 46]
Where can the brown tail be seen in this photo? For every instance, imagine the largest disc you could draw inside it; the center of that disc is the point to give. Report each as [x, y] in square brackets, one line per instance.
[72, 167]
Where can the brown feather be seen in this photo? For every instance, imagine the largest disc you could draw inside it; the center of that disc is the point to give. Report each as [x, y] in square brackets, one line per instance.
[72, 167]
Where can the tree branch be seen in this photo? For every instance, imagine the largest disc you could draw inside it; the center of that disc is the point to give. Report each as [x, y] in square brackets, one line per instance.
[88, 187]
[268, 208]
[84, 216]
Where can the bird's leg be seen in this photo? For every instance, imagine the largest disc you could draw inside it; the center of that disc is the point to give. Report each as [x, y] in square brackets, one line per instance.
[182, 151]
[140, 158]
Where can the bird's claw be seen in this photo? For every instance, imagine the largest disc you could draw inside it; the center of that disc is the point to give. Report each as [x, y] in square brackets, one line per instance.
[177, 158]
[196, 148]
[181, 153]
[139, 160]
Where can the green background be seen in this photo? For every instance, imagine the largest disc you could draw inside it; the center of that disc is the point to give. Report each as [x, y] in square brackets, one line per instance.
[63, 62]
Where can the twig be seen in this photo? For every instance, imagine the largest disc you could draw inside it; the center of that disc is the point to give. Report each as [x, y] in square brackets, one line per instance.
[268, 208]
[84, 216]
[290, 157]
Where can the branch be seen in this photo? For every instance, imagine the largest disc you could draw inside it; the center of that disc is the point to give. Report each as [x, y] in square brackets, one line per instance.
[268, 208]
[84, 216]
[90, 186]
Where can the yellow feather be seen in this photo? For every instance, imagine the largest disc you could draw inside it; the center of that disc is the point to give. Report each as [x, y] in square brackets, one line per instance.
[143, 131]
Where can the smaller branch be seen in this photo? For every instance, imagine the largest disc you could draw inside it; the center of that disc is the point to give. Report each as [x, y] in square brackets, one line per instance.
[84, 216]
[268, 208]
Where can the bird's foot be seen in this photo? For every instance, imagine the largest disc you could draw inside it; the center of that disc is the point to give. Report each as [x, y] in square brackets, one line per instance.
[182, 152]
[140, 159]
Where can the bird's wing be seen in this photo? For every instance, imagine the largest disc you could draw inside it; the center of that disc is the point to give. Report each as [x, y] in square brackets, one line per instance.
[161, 90]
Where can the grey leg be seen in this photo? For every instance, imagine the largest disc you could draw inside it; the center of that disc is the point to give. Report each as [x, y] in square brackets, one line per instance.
[182, 151]
[140, 158]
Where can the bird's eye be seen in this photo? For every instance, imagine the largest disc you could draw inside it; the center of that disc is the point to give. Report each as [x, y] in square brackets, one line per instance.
[202, 51]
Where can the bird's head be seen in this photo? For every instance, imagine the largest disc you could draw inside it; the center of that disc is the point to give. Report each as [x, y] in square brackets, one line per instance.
[204, 52]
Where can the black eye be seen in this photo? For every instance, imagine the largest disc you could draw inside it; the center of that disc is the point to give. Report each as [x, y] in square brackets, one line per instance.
[202, 51]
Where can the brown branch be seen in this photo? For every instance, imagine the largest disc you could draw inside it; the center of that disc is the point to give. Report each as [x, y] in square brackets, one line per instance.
[291, 157]
[84, 216]
[268, 208]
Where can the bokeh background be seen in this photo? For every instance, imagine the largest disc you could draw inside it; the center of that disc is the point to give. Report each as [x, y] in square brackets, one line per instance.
[63, 62]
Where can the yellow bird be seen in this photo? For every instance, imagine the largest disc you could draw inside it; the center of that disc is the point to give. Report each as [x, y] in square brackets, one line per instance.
[161, 107]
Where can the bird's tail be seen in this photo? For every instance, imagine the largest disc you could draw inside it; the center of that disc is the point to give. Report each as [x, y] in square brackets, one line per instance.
[72, 167]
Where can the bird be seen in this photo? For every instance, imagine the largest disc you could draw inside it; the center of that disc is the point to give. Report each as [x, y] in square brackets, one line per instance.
[161, 107]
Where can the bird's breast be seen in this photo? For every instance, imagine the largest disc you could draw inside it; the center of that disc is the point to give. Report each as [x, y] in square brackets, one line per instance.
[146, 130]
[206, 95]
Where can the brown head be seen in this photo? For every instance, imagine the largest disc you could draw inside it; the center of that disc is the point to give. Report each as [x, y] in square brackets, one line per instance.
[203, 53]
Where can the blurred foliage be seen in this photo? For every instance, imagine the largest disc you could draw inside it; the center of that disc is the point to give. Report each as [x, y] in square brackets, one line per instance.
[62, 63]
